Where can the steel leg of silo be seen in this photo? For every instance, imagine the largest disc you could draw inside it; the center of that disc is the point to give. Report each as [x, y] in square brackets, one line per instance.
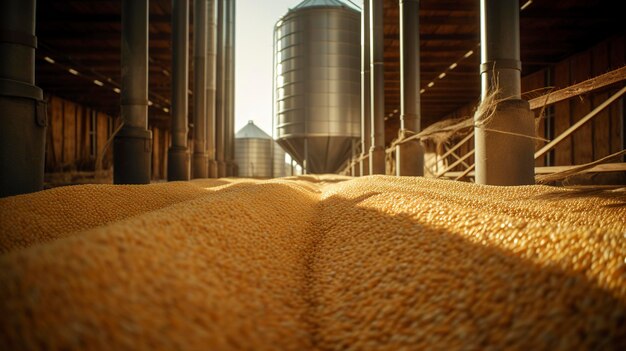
[211, 87]
[132, 148]
[22, 109]
[409, 155]
[366, 121]
[377, 149]
[178, 162]
[200, 23]
[503, 158]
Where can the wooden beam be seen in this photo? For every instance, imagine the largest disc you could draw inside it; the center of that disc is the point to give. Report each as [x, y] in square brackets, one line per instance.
[456, 157]
[449, 5]
[440, 37]
[93, 35]
[458, 145]
[458, 162]
[605, 80]
[448, 20]
[578, 124]
[467, 172]
[56, 18]
[604, 168]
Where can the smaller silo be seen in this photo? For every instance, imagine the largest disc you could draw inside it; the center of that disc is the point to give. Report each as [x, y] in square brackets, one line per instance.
[256, 154]
[280, 169]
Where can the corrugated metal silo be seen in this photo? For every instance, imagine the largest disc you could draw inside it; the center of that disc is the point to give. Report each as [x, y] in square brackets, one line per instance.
[257, 155]
[253, 152]
[317, 87]
[280, 169]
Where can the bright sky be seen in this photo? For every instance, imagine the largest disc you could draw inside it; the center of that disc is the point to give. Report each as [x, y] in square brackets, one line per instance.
[253, 80]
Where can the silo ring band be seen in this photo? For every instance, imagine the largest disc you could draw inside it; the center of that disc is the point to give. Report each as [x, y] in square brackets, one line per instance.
[20, 38]
[14, 88]
[499, 64]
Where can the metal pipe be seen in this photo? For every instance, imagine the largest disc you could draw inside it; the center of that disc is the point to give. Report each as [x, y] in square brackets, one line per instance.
[409, 155]
[178, 162]
[231, 132]
[366, 129]
[200, 156]
[229, 88]
[211, 86]
[500, 48]
[274, 78]
[219, 95]
[503, 158]
[22, 109]
[132, 148]
[377, 149]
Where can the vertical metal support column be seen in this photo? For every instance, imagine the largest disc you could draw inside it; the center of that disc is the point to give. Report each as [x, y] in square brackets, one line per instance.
[211, 86]
[366, 121]
[503, 158]
[377, 149]
[219, 94]
[22, 110]
[178, 163]
[409, 155]
[233, 60]
[229, 89]
[132, 147]
[200, 156]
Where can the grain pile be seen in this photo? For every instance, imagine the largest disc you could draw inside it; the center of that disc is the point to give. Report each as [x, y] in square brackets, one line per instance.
[63, 211]
[312, 263]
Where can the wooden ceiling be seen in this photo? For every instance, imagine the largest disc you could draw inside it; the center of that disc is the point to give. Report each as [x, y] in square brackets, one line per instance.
[550, 31]
[85, 36]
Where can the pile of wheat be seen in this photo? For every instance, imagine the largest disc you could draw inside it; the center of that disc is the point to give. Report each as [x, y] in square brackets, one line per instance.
[312, 263]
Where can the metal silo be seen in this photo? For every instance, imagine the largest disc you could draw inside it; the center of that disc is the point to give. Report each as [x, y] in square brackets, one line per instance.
[317, 83]
[257, 155]
[253, 152]
[280, 169]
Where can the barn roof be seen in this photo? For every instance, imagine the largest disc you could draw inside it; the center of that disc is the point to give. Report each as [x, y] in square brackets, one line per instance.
[85, 36]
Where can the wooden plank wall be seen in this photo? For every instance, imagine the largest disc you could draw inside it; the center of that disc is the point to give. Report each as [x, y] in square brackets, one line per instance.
[76, 136]
[465, 112]
[593, 141]
[533, 85]
[603, 136]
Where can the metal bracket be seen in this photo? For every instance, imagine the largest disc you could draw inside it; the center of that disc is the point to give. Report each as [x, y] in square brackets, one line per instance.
[41, 113]
[20, 38]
